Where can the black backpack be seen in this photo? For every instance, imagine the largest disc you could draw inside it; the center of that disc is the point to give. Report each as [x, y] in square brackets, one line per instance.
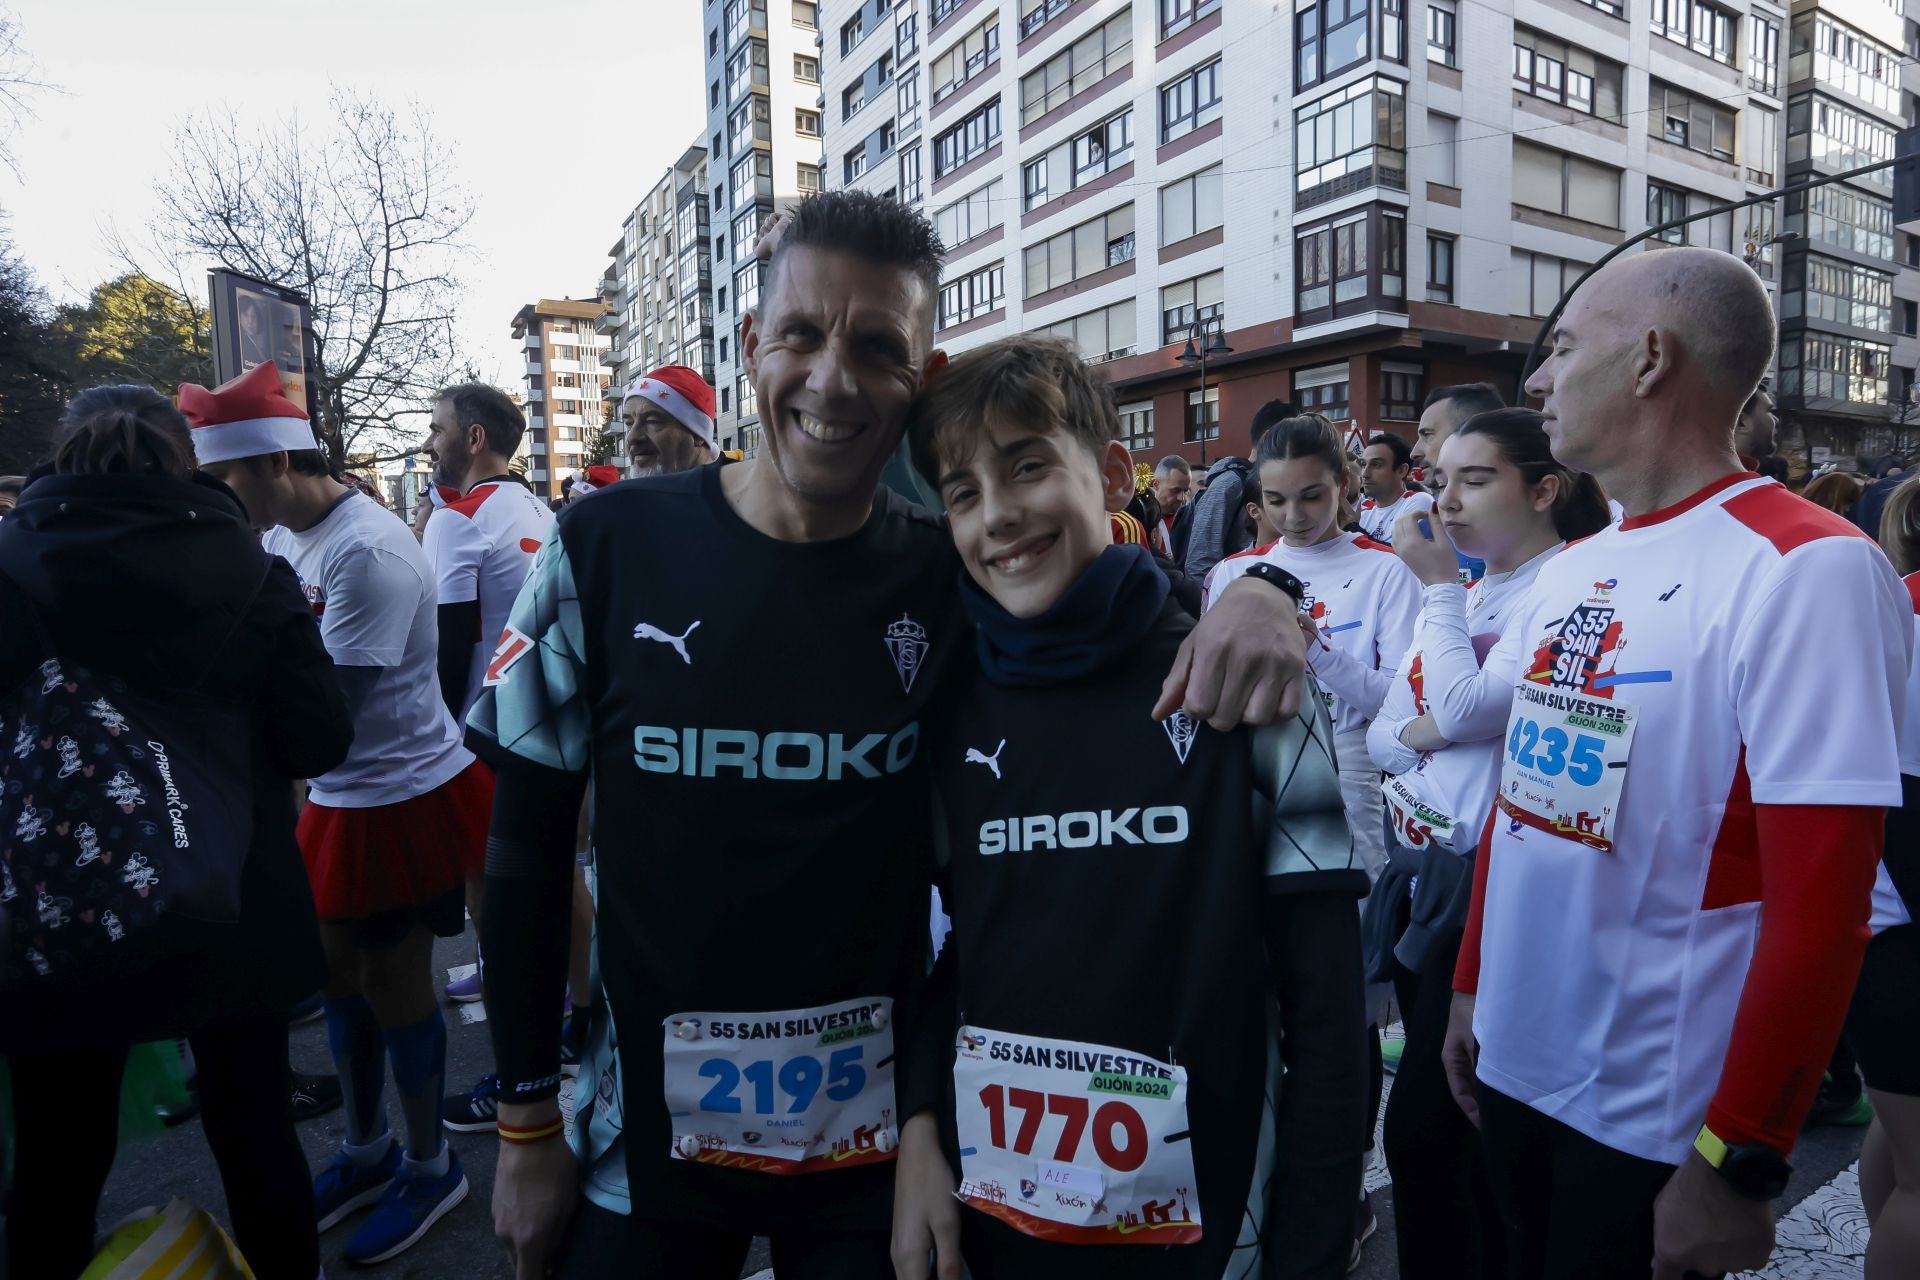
[117, 808]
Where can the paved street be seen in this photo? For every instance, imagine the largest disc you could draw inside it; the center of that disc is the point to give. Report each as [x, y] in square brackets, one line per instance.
[1822, 1229]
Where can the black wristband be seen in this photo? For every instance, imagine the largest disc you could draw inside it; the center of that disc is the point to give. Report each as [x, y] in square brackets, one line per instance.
[1274, 575]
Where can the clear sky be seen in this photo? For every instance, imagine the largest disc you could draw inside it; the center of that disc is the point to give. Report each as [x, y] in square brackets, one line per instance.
[561, 114]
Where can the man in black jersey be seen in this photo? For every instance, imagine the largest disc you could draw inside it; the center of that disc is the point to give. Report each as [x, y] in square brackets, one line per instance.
[751, 718]
[1094, 1061]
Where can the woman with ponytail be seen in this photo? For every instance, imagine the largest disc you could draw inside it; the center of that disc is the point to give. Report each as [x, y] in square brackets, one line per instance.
[126, 563]
[1503, 499]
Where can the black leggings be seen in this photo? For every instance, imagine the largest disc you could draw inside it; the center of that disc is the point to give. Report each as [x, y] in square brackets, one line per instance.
[1445, 1225]
[607, 1244]
[65, 1149]
[1572, 1208]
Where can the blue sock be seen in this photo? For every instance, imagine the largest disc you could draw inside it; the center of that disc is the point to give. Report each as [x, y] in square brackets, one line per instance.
[353, 1033]
[419, 1057]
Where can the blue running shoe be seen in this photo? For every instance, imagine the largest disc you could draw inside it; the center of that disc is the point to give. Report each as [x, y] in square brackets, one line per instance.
[344, 1186]
[410, 1206]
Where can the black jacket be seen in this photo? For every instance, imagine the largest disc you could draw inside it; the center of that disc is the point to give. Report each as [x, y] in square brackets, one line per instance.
[145, 577]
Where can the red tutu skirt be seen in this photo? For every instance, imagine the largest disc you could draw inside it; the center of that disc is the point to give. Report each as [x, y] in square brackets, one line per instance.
[366, 861]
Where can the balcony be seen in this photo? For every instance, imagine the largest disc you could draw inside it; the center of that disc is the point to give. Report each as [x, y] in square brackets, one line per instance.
[567, 366]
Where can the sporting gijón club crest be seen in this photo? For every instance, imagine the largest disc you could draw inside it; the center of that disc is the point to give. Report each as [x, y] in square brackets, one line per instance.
[907, 644]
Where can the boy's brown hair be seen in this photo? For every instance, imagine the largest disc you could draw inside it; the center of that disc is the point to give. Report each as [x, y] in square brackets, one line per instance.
[1035, 380]
[1900, 526]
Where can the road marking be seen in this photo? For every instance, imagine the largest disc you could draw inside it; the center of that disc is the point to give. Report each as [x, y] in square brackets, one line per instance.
[1824, 1237]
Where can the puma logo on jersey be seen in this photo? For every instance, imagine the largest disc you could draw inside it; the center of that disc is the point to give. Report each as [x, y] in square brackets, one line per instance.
[647, 631]
[974, 756]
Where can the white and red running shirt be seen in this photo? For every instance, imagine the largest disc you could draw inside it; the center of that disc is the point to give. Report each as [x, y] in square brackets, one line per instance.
[1889, 908]
[481, 547]
[1376, 520]
[1362, 599]
[1740, 647]
[1442, 675]
[370, 587]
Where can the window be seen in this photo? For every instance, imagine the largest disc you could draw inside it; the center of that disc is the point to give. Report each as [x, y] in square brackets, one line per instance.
[1106, 334]
[1820, 366]
[1322, 390]
[907, 99]
[853, 32]
[749, 123]
[1191, 302]
[1664, 204]
[1330, 36]
[1349, 264]
[1443, 40]
[1035, 14]
[1572, 186]
[1402, 388]
[1443, 149]
[1203, 414]
[973, 214]
[1617, 8]
[1097, 151]
[1696, 24]
[966, 58]
[911, 188]
[1763, 53]
[713, 42]
[1440, 250]
[744, 397]
[725, 395]
[746, 287]
[1539, 282]
[1177, 15]
[973, 295]
[1544, 67]
[806, 14]
[720, 304]
[742, 16]
[746, 225]
[1836, 292]
[943, 9]
[972, 137]
[1762, 146]
[856, 162]
[1909, 318]
[1350, 140]
[1835, 136]
[1136, 425]
[806, 123]
[752, 177]
[1190, 101]
[713, 94]
[805, 69]
[1078, 67]
[1095, 245]
[1192, 205]
[1686, 121]
[747, 68]
[1913, 250]
[1839, 57]
[906, 36]
[806, 178]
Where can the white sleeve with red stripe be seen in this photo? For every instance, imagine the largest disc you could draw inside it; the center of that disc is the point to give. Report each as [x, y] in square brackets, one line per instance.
[1819, 664]
[456, 550]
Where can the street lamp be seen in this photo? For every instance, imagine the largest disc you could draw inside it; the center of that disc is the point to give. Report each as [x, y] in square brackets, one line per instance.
[1212, 344]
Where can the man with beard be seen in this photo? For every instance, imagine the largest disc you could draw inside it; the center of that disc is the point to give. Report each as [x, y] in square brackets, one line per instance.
[480, 546]
[669, 419]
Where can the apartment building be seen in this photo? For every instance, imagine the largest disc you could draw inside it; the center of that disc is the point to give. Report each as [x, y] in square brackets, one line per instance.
[764, 122]
[659, 283]
[565, 385]
[1346, 202]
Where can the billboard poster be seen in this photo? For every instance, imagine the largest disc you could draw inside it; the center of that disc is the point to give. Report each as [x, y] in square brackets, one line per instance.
[256, 323]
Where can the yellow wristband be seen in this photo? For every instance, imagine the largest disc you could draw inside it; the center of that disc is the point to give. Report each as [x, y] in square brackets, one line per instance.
[1711, 1147]
[538, 1133]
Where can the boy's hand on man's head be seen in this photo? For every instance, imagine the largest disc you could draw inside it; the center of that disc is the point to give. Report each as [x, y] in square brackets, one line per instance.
[1242, 663]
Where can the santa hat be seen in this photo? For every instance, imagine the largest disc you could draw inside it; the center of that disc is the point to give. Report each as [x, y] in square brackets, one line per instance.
[682, 394]
[596, 478]
[245, 417]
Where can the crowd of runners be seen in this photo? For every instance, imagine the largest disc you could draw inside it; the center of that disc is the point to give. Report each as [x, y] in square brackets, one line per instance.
[929, 848]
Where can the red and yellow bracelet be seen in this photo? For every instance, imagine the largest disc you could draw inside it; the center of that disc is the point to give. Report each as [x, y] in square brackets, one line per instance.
[529, 1133]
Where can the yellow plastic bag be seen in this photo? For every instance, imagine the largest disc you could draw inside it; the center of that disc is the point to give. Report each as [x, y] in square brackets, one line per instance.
[180, 1242]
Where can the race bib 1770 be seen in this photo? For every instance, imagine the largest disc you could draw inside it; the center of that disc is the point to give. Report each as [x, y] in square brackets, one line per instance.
[793, 1091]
[1565, 763]
[1079, 1143]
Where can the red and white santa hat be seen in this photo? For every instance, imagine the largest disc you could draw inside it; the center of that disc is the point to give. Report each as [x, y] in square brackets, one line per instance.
[682, 394]
[245, 417]
[596, 477]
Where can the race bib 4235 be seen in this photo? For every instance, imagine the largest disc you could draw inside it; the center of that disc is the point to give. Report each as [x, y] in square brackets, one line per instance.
[1079, 1143]
[792, 1091]
[1565, 763]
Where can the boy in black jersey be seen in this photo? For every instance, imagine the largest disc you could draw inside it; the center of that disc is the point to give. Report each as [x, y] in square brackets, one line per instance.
[1129, 898]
